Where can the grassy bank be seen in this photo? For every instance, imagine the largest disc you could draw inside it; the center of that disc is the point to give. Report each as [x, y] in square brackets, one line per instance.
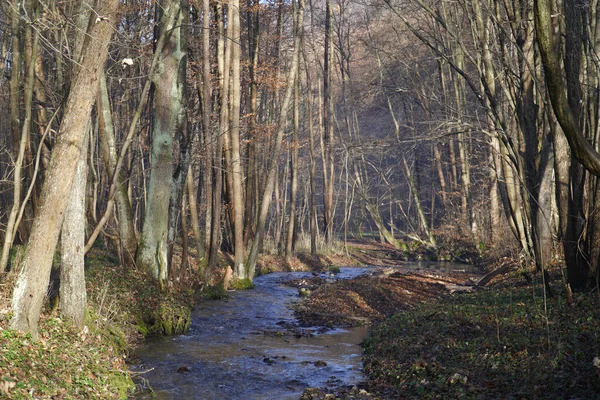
[506, 342]
[124, 305]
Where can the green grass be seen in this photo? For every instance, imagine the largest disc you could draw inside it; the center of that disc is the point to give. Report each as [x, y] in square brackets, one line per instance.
[502, 343]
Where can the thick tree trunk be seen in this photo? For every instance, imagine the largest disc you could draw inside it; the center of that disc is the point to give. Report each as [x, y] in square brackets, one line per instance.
[169, 111]
[72, 292]
[565, 106]
[237, 200]
[33, 279]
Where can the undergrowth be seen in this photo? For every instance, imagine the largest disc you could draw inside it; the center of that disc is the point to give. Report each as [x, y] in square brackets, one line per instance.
[124, 305]
[500, 343]
[64, 363]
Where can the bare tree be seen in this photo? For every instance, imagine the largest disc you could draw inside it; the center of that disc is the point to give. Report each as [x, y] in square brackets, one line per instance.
[34, 276]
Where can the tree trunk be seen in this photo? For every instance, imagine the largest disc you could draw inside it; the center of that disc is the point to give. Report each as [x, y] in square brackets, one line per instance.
[127, 236]
[72, 292]
[289, 244]
[33, 279]
[191, 190]
[420, 212]
[169, 112]
[237, 194]
[21, 138]
[223, 66]
[209, 134]
[276, 151]
[328, 110]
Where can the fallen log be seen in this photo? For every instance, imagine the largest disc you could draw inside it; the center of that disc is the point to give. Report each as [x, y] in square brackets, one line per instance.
[498, 271]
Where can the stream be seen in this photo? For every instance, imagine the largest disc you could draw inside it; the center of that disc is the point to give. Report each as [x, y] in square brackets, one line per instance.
[249, 346]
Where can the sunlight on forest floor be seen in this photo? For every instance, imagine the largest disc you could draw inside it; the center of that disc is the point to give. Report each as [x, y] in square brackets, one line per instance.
[506, 342]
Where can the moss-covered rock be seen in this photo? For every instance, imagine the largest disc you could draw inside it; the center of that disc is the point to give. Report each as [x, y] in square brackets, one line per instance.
[241, 284]
[216, 292]
[171, 319]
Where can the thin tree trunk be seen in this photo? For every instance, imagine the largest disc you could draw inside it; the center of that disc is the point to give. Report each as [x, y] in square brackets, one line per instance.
[289, 244]
[223, 66]
[19, 135]
[209, 134]
[252, 170]
[328, 159]
[420, 212]
[314, 223]
[127, 235]
[281, 125]
[191, 190]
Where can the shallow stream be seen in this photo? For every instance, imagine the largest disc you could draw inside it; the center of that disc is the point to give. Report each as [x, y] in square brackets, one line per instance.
[250, 346]
[242, 348]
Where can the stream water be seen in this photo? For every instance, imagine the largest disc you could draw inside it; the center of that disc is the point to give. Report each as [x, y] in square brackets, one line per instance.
[249, 346]
[241, 348]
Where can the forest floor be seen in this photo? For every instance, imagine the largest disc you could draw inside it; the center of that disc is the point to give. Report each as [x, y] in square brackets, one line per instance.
[434, 335]
[443, 335]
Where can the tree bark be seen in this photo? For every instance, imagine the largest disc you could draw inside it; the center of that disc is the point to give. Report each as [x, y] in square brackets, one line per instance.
[191, 190]
[328, 110]
[72, 291]
[169, 111]
[33, 278]
[565, 108]
[239, 269]
[127, 235]
[289, 244]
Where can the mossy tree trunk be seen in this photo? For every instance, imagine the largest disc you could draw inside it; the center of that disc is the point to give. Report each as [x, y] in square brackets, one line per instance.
[168, 84]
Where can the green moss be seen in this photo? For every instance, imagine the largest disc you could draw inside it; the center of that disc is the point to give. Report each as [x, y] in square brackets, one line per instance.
[334, 269]
[171, 319]
[241, 284]
[15, 256]
[117, 338]
[216, 292]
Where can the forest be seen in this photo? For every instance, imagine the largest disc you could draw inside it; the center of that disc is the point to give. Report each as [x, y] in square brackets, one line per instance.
[161, 157]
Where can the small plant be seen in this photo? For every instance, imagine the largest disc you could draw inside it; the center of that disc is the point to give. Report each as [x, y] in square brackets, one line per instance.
[216, 292]
[334, 269]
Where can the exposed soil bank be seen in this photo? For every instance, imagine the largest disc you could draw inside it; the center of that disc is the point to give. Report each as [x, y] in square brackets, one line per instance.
[449, 339]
